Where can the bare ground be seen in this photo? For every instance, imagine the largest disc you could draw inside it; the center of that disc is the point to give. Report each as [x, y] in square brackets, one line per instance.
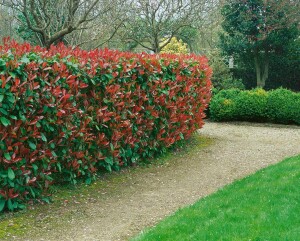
[144, 197]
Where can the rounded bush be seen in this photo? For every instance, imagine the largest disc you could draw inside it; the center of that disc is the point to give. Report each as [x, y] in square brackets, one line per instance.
[223, 105]
[278, 106]
[252, 105]
[284, 106]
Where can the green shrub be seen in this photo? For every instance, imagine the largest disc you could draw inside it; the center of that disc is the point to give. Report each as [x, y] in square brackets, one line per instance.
[252, 105]
[284, 106]
[278, 106]
[223, 105]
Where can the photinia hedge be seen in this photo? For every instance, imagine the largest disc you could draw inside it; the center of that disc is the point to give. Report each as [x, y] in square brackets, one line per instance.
[66, 113]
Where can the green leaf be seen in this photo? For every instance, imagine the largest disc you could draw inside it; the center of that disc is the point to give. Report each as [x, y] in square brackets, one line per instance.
[11, 183]
[32, 192]
[7, 156]
[10, 173]
[109, 76]
[21, 206]
[1, 98]
[11, 99]
[35, 167]
[46, 200]
[111, 146]
[10, 205]
[12, 74]
[2, 204]
[4, 121]
[88, 181]
[2, 63]
[3, 111]
[25, 60]
[109, 160]
[59, 166]
[108, 168]
[43, 137]
[32, 145]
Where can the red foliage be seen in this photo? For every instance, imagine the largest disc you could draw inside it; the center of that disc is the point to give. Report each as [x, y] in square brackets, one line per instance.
[71, 111]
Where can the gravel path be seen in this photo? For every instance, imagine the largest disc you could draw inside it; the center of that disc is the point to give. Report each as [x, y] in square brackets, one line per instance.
[146, 197]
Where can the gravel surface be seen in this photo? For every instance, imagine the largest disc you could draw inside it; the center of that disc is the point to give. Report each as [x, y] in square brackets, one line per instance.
[144, 198]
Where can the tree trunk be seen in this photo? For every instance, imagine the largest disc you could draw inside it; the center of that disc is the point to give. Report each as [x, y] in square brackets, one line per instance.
[156, 46]
[261, 61]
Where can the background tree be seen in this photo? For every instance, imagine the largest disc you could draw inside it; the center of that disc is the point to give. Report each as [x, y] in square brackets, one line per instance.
[153, 23]
[7, 23]
[257, 29]
[50, 21]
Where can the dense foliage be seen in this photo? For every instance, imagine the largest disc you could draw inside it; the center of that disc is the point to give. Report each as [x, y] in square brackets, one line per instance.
[175, 46]
[261, 36]
[278, 106]
[66, 113]
[222, 77]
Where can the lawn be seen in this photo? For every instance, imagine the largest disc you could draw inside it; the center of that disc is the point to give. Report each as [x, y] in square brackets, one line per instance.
[263, 206]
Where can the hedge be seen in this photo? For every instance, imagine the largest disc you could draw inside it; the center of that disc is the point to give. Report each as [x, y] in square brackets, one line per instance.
[277, 106]
[67, 113]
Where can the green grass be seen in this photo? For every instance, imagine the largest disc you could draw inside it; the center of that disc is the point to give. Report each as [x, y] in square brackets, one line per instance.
[263, 206]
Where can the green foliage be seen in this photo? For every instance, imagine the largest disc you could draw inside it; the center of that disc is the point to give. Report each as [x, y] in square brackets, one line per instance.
[188, 35]
[255, 30]
[251, 105]
[278, 106]
[231, 83]
[26, 33]
[263, 206]
[284, 106]
[222, 77]
[223, 105]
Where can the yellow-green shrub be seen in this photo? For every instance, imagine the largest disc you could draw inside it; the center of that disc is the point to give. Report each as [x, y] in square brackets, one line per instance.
[251, 105]
[175, 47]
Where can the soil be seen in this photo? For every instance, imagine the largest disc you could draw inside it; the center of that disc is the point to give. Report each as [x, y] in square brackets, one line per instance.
[143, 197]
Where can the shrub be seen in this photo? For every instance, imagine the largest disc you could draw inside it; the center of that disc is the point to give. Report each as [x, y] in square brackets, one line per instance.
[278, 106]
[284, 106]
[223, 105]
[66, 113]
[175, 47]
[251, 105]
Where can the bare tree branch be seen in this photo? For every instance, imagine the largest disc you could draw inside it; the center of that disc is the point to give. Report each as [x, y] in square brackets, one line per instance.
[53, 20]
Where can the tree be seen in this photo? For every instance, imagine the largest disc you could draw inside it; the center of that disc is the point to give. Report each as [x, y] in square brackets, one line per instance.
[189, 36]
[7, 23]
[51, 21]
[153, 23]
[257, 29]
